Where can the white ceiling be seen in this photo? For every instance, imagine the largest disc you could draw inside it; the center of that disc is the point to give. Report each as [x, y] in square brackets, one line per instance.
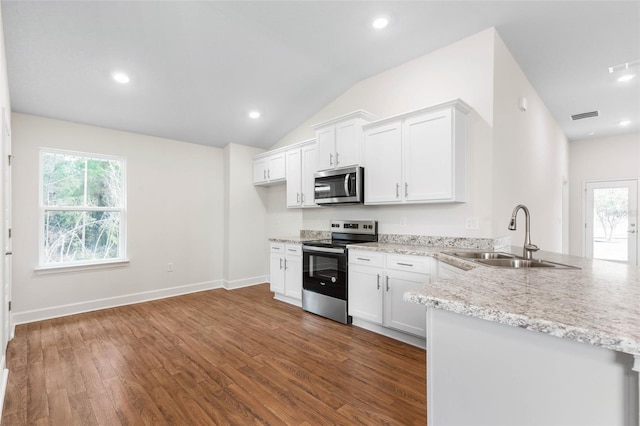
[197, 68]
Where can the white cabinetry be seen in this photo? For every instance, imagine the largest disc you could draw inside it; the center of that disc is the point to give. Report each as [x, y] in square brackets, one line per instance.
[377, 283]
[418, 157]
[286, 272]
[301, 165]
[269, 168]
[448, 271]
[340, 140]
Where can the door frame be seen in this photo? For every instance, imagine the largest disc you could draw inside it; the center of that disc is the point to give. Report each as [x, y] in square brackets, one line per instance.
[585, 185]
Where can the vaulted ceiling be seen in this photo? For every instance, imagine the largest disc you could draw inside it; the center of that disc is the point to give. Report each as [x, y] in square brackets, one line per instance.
[198, 68]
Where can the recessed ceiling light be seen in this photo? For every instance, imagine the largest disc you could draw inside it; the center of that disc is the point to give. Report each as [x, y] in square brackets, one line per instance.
[626, 77]
[254, 114]
[121, 77]
[625, 122]
[380, 23]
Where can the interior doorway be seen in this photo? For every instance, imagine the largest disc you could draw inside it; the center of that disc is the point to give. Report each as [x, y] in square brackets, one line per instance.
[611, 220]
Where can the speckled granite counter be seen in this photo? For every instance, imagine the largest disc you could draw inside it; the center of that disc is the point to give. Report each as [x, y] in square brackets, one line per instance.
[598, 304]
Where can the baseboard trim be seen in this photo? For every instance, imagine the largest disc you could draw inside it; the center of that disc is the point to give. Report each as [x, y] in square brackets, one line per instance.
[288, 299]
[397, 335]
[245, 282]
[3, 386]
[110, 302]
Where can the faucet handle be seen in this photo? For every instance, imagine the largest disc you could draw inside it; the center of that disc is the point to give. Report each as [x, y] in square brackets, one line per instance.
[531, 247]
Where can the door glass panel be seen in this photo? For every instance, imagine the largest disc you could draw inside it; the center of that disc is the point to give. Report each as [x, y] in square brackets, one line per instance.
[611, 223]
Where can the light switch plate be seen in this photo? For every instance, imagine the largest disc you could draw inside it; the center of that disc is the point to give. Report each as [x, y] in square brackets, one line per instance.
[471, 223]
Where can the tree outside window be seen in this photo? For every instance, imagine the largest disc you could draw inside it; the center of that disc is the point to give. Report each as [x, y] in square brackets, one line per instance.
[82, 208]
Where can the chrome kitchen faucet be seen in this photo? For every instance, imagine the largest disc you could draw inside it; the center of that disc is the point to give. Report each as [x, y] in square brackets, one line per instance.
[528, 249]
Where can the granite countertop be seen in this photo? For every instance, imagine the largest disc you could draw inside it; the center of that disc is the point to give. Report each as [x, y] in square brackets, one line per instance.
[597, 304]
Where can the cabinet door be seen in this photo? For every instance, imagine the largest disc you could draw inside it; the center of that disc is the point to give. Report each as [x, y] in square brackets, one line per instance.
[293, 277]
[294, 178]
[260, 170]
[383, 164]
[309, 164]
[277, 273]
[276, 167]
[365, 293]
[404, 316]
[348, 143]
[326, 142]
[428, 157]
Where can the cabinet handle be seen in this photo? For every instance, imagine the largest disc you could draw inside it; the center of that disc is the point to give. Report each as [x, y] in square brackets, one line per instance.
[406, 189]
[337, 158]
[264, 174]
[297, 197]
[280, 263]
[285, 264]
[387, 282]
[378, 281]
[268, 173]
[331, 159]
[293, 250]
[302, 197]
[363, 258]
[397, 190]
[404, 264]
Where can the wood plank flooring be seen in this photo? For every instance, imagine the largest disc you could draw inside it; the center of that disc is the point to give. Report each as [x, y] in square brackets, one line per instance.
[216, 357]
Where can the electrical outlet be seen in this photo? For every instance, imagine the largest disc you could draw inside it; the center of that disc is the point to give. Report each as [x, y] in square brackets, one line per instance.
[471, 223]
[169, 267]
[403, 221]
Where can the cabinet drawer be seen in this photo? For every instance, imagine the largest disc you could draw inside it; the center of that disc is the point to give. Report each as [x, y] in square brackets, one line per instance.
[420, 264]
[293, 249]
[368, 258]
[277, 247]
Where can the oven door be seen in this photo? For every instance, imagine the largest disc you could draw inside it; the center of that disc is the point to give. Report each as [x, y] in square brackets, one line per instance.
[325, 271]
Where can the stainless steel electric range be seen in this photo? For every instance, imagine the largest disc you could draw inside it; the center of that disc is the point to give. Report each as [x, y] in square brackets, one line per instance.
[325, 285]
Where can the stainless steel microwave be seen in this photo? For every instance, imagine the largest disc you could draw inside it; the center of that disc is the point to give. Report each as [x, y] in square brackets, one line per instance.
[340, 186]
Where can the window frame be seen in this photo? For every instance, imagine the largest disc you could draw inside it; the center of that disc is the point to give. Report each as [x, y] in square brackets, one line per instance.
[42, 209]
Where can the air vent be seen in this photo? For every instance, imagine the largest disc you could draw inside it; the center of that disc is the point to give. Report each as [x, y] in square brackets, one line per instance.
[585, 115]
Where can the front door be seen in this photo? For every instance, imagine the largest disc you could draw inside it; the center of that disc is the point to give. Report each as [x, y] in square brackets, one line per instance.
[611, 220]
[6, 229]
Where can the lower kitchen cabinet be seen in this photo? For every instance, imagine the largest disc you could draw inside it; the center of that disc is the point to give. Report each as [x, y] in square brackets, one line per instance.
[286, 272]
[377, 283]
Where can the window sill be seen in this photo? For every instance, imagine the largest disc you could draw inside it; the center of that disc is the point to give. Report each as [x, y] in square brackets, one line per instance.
[44, 270]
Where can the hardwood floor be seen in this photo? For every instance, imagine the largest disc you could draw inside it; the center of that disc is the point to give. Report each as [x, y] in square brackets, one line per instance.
[216, 357]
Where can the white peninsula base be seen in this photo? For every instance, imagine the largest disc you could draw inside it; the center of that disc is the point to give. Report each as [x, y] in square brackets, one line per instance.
[481, 372]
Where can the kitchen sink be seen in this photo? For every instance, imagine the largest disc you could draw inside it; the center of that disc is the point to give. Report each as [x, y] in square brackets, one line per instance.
[481, 255]
[507, 260]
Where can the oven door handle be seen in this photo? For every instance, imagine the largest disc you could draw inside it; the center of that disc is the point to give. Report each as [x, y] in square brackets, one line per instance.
[323, 249]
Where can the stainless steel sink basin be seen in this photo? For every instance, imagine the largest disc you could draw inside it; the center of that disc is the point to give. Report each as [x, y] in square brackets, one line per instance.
[481, 255]
[516, 263]
[507, 260]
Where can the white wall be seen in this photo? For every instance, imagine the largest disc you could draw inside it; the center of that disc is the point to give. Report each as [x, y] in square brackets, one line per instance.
[174, 214]
[530, 158]
[462, 70]
[246, 254]
[615, 157]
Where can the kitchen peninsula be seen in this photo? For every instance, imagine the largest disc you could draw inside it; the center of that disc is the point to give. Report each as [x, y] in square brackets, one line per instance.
[533, 346]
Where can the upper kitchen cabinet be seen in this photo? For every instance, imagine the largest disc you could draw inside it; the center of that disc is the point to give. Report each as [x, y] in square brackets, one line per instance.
[269, 168]
[339, 140]
[417, 157]
[301, 165]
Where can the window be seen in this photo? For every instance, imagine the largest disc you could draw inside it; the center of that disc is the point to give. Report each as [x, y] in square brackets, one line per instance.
[82, 208]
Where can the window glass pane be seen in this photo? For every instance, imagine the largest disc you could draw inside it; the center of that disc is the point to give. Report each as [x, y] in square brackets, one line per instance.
[75, 180]
[62, 179]
[104, 183]
[73, 236]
